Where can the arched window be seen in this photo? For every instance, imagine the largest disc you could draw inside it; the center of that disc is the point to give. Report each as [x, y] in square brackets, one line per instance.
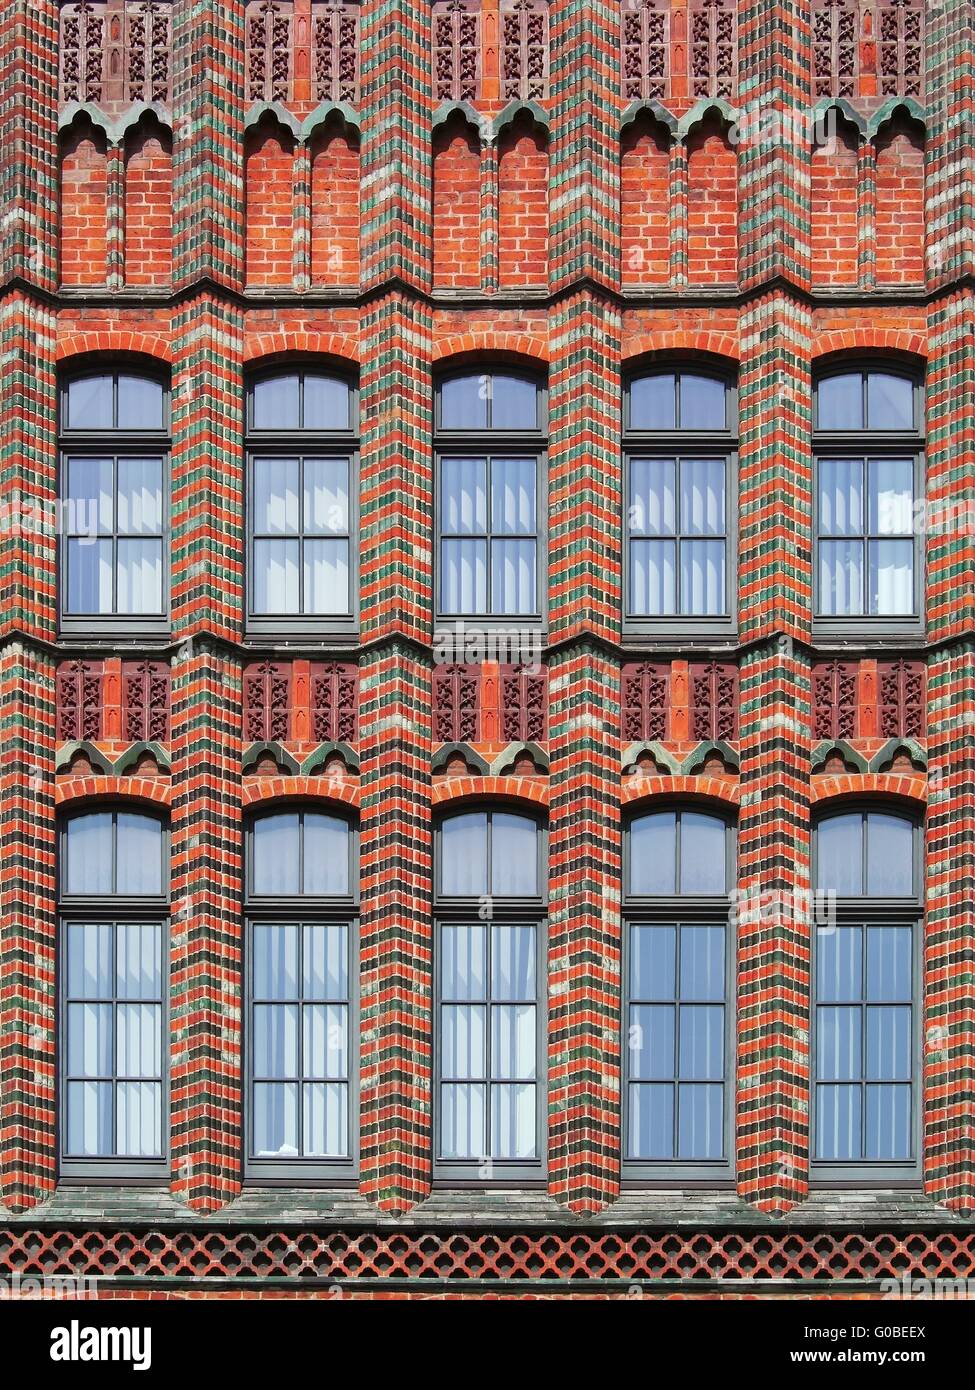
[300, 1048]
[491, 494]
[678, 1043]
[869, 479]
[302, 485]
[680, 437]
[490, 993]
[114, 562]
[866, 967]
[113, 891]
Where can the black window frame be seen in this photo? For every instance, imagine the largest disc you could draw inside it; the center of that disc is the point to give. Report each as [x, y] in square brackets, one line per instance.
[867, 444]
[301, 910]
[866, 911]
[489, 443]
[111, 909]
[449, 910]
[679, 910]
[115, 443]
[686, 628]
[301, 443]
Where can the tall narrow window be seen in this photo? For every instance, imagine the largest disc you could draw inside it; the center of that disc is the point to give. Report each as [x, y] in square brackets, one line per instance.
[678, 1054]
[865, 1027]
[302, 481]
[114, 503]
[490, 971]
[681, 497]
[301, 997]
[491, 498]
[114, 1030]
[869, 478]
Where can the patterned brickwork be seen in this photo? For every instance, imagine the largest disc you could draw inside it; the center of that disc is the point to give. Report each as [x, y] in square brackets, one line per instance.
[28, 140]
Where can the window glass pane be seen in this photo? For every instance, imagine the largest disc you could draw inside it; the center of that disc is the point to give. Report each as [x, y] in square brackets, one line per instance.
[840, 578]
[653, 963]
[91, 971]
[653, 578]
[839, 855]
[139, 950]
[463, 855]
[701, 1054]
[276, 508]
[275, 962]
[890, 402]
[840, 497]
[89, 576]
[839, 964]
[513, 1042]
[891, 496]
[702, 577]
[275, 1120]
[463, 971]
[463, 1042]
[325, 1041]
[464, 1121]
[90, 403]
[651, 1129]
[702, 497]
[137, 1040]
[90, 1040]
[325, 962]
[514, 856]
[652, 1042]
[326, 506]
[513, 496]
[276, 403]
[840, 402]
[838, 1122]
[326, 577]
[513, 568]
[275, 1040]
[275, 849]
[838, 1043]
[653, 854]
[514, 404]
[326, 1120]
[513, 963]
[513, 1122]
[140, 496]
[326, 403]
[463, 587]
[890, 856]
[702, 403]
[89, 853]
[326, 861]
[140, 842]
[889, 975]
[139, 1106]
[140, 403]
[702, 969]
[888, 1043]
[91, 508]
[702, 853]
[463, 402]
[463, 496]
[653, 403]
[140, 576]
[700, 1112]
[653, 497]
[891, 577]
[276, 588]
[89, 1119]
[888, 1123]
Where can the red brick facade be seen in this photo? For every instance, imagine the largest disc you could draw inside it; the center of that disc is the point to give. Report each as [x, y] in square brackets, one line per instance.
[395, 191]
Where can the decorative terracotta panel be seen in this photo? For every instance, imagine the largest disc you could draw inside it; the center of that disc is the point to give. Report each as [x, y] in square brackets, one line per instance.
[456, 50]
[523, 703]
[834, 699]
[714, 700]
[646, 701]
[114, 53]
[457, 711]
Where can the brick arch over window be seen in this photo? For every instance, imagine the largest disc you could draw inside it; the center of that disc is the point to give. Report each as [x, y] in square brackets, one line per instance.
[509, 792]
[263, 348]
[94, 791]
[900, 791]
[463, 349]
[117, 343]
[864, 339]
[644, 793]
[652, 348]
[317, 793]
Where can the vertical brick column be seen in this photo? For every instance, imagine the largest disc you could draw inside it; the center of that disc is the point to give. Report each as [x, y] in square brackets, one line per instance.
[28, 617]
[775, 591]
[29, 45]
[584, 745]
[949, 1111]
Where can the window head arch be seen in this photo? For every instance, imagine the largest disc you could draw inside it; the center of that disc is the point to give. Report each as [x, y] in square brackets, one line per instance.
[679, 852]
[867, 853]
[881, 399]
[301, 853]
[123, 400]
[490, 853]
[500, 401]
[683, 399]
[303, 400]
[113, 853]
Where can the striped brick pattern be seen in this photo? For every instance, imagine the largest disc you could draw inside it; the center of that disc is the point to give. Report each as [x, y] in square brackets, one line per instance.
[28, 140]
